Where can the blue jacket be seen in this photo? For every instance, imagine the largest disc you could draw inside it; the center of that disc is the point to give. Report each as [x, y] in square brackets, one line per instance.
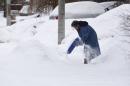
[88, 37]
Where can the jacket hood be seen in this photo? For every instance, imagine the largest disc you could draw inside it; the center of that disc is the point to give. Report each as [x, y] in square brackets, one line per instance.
[83, 23]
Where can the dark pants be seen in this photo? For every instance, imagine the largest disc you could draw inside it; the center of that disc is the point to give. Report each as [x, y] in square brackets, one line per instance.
[90, 53]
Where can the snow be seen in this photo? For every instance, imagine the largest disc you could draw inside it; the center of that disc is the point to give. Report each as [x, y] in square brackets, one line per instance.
[108, 4]
[4, 34]
[25, 9]
[32, 57]
[73, 10]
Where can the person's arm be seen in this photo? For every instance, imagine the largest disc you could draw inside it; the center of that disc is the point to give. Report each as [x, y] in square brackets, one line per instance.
[79, 42]
[75, 43]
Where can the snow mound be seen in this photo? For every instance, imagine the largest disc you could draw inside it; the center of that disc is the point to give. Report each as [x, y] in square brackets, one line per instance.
[112, 32]
[109, 22]
[31, 50]
[73, 10]
[47, 33]
[4, 35]
[117, 12]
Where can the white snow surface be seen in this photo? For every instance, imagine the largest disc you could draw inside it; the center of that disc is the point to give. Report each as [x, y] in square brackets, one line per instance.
[4, 34]
[107, 4]
[33, 58]
[73, 10]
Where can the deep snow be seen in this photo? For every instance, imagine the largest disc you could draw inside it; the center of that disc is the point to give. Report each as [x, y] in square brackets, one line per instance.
[32, 57]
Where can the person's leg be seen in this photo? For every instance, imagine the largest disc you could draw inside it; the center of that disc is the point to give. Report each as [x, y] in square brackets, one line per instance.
[87, 54]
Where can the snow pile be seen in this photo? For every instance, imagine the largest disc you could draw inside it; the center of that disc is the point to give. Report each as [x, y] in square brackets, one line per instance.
[4, 35]
[47, 33]
[26, 28]
[38, 51]
[108, 24]
[113, 34]
[73, 10]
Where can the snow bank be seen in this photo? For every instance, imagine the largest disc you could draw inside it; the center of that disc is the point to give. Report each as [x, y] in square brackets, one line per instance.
[73, 10]
[26, 28]
[5, 35]
[31, 50]
[112, 32]
[47, 33]
[108, 24]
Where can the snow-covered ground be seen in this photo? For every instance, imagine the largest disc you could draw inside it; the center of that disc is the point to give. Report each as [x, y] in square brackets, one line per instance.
[31, 56]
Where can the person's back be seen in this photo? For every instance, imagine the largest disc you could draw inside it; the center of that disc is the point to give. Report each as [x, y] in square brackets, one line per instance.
[89, 37]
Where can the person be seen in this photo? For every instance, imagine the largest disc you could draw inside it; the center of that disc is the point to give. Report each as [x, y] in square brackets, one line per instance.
[88, 38]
